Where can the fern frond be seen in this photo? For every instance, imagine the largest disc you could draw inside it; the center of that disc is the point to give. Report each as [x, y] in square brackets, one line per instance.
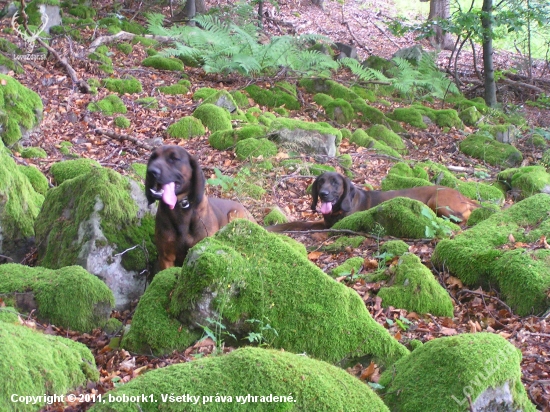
[364, 73]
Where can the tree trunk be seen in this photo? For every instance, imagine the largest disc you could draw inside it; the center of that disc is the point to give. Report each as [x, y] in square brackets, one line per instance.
[488, 69]
[440, 10]
[190, 10]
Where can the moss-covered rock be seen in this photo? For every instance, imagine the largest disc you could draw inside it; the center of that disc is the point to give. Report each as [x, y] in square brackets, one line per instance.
[52, 293]
[414, 288]
[399, 217]
[361, 138]
[68, 169]
[329, 87]
[482, 213]
[125, 48]
[340, 111]
[343, 243]
[392, 139]
[122, 122]
[203, 93]
[273, 97]
[20, 110]
[409, 115]
[350, 267]
[33, 153]
[244, 272]
[249, 148]
[226, 139]
[148, 102]
[37, 179]
[394, 248]
[214, 117]
[90, 220]
[10, 64]
[123, 86]
[281, 381]
[100, 55]
[19, 207]
[186, 128]
[526, 181]
[477, 255]
[240, 98]
[222, 98]
[109, 105]
[180, 87]
[489, 150]
[274, 217]
[35, 364]
[82, 11]
[163, 63]
[322, 99]
[470, 116]
[443, 373]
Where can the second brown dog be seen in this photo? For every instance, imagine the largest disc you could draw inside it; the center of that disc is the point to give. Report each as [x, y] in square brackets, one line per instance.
[340, 198]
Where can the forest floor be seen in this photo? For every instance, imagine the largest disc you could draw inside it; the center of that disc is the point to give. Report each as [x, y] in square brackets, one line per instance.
[358, 23]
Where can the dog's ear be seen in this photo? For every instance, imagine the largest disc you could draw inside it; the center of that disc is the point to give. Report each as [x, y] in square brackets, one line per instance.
[198, 181]
[149, 183]
[315, 194]
[347, 195]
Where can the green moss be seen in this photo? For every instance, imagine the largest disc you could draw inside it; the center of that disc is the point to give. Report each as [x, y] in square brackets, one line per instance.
[145, 41]
[489, 150]
[109, 105]
[400, 217]
[346, 133]
[476, 256]
[383, 134]
[113, 326]
[361, 138]
[538, 141]
[82, 11]
[123, 86]
[180, 87]
[203, 93]
[526, 181]
[322, 99]
[247, 148]
[545, 160]
[351, 266]
[414, 288]
[307, 384]
[38, 181]
[442, 373]
[394, 248]
[344, 243]
[148, 102]
[100, 194]
[240, 99]
[223, 99]
[139, 169]
[368, 113]
[294, 124]
[330, 87]
[214, 117]
[363, 93]
[163, 63]
[10, 64]
[151, 52]
[275, 97]
[8, 314]
[409, 115]
[54, 292]
[20, 110]
[33, 153]
[125, 48]
[68, 169]
[274, 217]
[186, 127]
[132, 27]
[122, 122]
[470, 116]
[34, 364]
[482, 213]
[340, 111]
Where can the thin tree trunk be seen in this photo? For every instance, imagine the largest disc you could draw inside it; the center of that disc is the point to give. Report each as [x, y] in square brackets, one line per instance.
[440, 10]
[489, 71]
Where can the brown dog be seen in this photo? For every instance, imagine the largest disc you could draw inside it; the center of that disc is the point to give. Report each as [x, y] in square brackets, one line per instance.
[185, 215]
[340, 198]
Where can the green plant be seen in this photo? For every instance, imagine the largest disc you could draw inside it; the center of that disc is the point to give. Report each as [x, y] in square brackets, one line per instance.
[379, 232]
[435, 227]
[225, 182]
[261, 337]
[217, 334]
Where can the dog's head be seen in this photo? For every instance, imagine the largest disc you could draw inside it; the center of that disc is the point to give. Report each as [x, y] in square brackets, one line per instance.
[174, 175]
[335, 192]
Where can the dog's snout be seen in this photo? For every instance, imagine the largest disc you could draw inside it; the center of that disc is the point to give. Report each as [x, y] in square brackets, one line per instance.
[323, 194]
[154, 171]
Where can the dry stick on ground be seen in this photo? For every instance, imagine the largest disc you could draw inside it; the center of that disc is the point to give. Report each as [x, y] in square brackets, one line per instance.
[81, 84]
[473, 292]
[124, 35]
[122, 138]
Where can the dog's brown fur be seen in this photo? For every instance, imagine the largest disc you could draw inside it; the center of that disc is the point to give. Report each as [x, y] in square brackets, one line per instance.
[347, 199]
[195, 216]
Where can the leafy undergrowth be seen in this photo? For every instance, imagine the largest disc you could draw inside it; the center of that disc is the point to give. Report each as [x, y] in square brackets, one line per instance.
[66, 119]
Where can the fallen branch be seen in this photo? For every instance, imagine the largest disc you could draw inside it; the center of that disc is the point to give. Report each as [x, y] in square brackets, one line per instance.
[124, 35]
[473, 292]
[122, 138]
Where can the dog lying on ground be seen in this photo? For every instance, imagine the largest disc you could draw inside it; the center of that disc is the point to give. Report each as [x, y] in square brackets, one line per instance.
[340, 198]
[185, 215]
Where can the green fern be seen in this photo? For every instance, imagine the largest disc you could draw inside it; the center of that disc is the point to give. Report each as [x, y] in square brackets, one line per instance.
[364, 73]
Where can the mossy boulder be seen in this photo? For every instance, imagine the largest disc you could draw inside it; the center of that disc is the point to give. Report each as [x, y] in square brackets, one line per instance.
[33, 153]
[122, 122]
[361, 138]
[392, 139]
[250, 148]
[181, 87]
[125, 48]
[52, 294]
[482, 213]
[37, 179]
[470, 116]
[214, 117]
[394, 248]
[414, 288]
[343, 243]
[226, 139]
[526, 181]
[19, 207]
[489, 150]
[399, 217]
[443, 374]
[90, 221]
[69, 169]
[281, 95]
[222, 98]
[109, 105]
[409, 115]
[350, 267]
[7, 64]
[186, 128]
[123, 86]
[244, 272]
[322, 99]
[478, 256]
[329, 87]
[34, 364]
[305, 137]
[340, 111]
[203, 93]
[274, 217]
[281, 381]
[20, 110]
[163, 63]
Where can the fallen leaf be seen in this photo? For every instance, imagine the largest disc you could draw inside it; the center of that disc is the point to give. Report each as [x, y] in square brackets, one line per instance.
[313, 256]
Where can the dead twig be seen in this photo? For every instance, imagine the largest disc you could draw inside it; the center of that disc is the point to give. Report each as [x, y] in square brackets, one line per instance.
[122, 138]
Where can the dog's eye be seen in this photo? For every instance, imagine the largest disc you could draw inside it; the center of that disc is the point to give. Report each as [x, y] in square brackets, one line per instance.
[173, 158]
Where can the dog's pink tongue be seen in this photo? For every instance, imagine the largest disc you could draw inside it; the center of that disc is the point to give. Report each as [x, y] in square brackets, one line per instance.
[169, 194]
[326, 208]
